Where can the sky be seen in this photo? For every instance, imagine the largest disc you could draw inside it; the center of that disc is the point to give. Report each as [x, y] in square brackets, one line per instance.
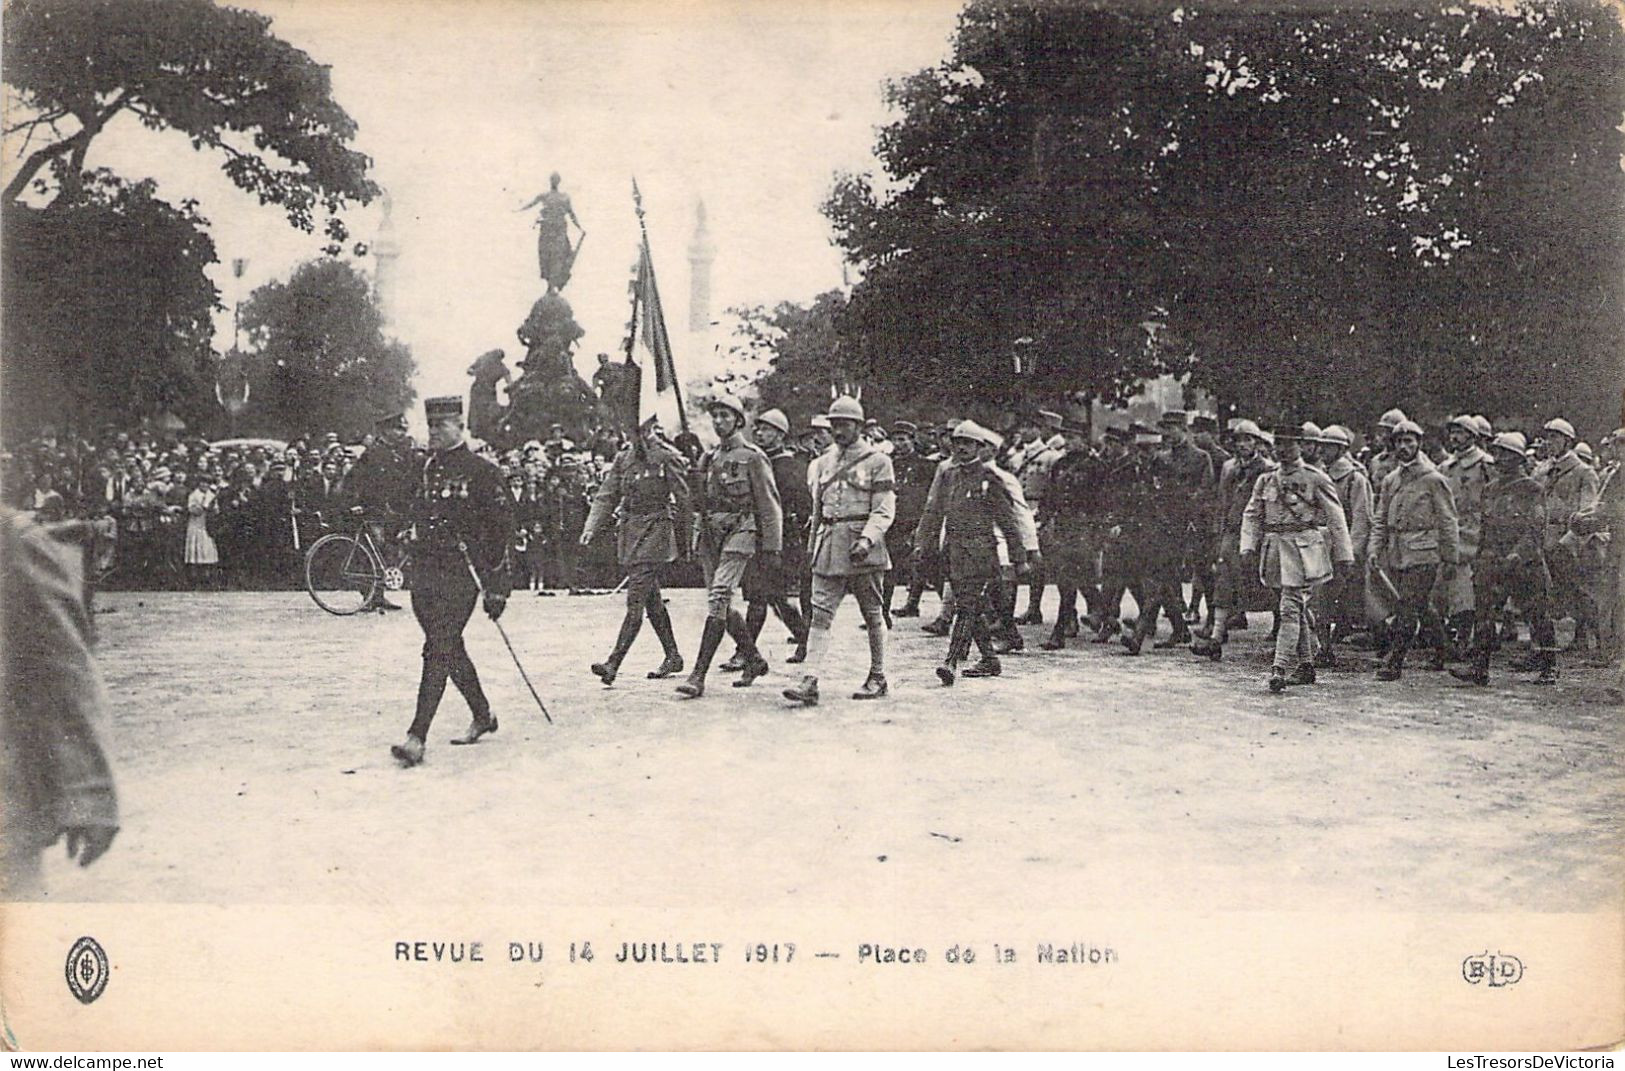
[465, 106]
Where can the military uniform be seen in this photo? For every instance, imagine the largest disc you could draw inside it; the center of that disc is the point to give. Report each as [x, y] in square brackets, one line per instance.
[1570, 486]
[1295, 524]
[1467, 472]
[739, 515]
[461, 518]
[764, 587]
[1127, 501]
[1413, 533]
[1179, 478]
[646, 491]
[974, 510]
[913, 472]
[1069, 533]
[1511, 564]
[854, 496]
[1344, 594]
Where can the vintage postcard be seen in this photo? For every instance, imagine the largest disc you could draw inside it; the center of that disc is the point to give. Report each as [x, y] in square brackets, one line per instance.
[945, 524]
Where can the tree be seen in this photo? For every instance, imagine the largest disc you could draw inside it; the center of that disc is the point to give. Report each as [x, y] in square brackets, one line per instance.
[1329, 212]
[215, 74]
[106, 308]
[318, 358]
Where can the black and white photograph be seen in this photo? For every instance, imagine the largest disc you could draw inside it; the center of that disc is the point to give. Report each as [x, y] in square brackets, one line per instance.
[859, 524]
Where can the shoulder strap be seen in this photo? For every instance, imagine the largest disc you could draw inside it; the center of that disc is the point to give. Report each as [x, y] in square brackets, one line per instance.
[825, 485]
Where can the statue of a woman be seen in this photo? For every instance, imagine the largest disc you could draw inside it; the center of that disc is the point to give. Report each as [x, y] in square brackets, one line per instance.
[554, 254]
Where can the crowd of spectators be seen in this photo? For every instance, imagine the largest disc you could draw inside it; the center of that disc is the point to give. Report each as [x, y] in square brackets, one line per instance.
[168, 511]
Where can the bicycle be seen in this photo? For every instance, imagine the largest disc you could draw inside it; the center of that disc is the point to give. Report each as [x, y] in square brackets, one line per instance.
[346, 572]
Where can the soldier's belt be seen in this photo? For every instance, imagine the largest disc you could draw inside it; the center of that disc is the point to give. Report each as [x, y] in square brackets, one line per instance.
[851, 517]
[1298, 527]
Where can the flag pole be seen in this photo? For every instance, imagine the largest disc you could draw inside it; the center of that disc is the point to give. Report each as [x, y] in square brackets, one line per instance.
[648, 259]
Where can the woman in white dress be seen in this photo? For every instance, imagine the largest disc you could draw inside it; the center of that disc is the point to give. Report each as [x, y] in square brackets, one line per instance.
[201, 553]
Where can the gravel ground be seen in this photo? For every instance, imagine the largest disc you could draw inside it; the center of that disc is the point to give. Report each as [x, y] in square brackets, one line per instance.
[251, 736]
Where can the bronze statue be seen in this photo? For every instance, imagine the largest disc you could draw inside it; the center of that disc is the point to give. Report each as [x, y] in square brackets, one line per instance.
[555, 256]
[484, 410]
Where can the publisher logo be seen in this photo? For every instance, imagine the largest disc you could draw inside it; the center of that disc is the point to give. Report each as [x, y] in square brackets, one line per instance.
[1495, 970]
[87, 970]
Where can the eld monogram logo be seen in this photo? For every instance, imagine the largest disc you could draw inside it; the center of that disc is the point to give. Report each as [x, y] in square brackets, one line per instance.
[1498, 969]
[87, 970]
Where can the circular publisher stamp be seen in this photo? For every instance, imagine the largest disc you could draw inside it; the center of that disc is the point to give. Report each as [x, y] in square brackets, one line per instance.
[87, 969]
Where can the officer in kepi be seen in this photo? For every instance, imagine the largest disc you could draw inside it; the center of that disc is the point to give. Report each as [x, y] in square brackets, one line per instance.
[461, 520]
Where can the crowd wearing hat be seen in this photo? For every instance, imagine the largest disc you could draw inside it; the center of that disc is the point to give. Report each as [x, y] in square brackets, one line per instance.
[168, 511]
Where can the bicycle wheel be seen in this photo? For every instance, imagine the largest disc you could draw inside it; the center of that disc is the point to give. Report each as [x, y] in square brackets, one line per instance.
[341, 574]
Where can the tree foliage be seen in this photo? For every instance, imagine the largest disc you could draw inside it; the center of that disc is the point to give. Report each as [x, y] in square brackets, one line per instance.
[215, 74]
[318, 358]
[106, 308]
[1311, 212]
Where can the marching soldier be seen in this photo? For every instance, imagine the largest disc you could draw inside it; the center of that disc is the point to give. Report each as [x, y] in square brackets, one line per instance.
[1291, 516]
[1571, 485]
[1413, 542]
[1068, 529]
[765, 588]
[1003, 594]
[1180, 475]
[1510, 562]
[1126, 484]
[1344, 604]
[647, 489]
[1205, 436]
[914, 471]
[739, 517]
[974, 508]
[461, 524]
[1467, 470]
[1033, 472]
[1384, 460]
[1232, 579]
[854, 496]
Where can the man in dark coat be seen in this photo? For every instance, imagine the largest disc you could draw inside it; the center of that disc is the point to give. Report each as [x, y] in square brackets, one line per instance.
[383, 483]
[462, 522]
[1069, 529]
[1182, 477]
[55, 779]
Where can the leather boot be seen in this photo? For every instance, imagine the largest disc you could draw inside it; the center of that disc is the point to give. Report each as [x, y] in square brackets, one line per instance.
[410, 753]
[669, 667]
[874, 687]
[754, 668]
[986, 667]
[1304, 674]
[710, 639]
[476, 729]
[805, 693]
[1393, 667]
[1548, 668]
[1207, 647]
[1478, 673]
[1057, 639]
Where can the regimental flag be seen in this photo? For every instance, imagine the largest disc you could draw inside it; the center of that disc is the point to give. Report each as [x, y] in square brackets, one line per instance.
[647, 342]
[652, 328]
